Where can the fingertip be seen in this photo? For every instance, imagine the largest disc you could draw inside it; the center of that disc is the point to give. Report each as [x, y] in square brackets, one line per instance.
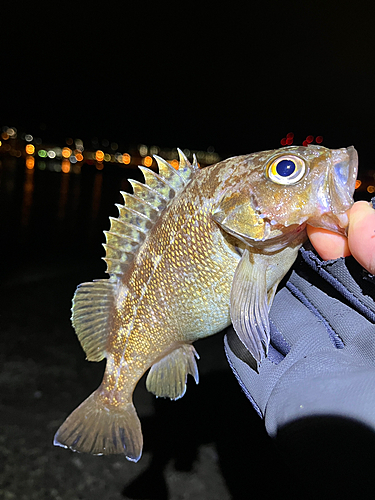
[361, 234]
[329, 245]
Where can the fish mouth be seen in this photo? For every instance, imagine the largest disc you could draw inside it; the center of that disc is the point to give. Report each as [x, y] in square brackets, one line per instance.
[335, 197]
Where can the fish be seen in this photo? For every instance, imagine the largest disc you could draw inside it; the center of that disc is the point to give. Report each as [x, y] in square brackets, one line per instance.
[191, 251]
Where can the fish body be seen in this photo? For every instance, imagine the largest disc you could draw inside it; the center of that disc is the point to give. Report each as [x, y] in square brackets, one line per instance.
[191, 251]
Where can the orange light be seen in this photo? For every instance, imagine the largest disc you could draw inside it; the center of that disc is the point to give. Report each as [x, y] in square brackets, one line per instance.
[147, 161]
[175, 164]
[357, 183]
[79, 156]
[99, 155]
[30, 149]
[126, 158]
[99, 166]
[5, 136]
[30, 162]
[65, 166]
[371, 189]
[66, 152]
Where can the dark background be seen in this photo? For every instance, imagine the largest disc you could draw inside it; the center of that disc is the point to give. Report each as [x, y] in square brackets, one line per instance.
[237, 76]
[233, 78]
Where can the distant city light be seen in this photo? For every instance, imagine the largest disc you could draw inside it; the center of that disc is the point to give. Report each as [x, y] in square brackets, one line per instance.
[126, 158]
[147, 161]
[65, 166]
[28, 137]
[143, 150]
[371, 189]
[175, 164]
[30, 149]
[30, 162]
[357, 183]
[51, 154]
[99, 155]
[42, 153]
[66, 152]
[79, 156]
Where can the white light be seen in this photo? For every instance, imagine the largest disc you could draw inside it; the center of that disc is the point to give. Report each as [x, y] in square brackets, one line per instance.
[29, 137]
[51, 154]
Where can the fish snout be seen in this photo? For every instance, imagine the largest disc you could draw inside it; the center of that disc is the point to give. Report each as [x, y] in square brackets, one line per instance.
[342, 177]
[334, 196]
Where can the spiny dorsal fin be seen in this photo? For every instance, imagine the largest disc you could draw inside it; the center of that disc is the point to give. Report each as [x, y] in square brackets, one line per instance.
[142, 209]
[92, 304]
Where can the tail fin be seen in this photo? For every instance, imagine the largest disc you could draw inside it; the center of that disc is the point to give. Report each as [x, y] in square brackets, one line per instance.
[101, 430]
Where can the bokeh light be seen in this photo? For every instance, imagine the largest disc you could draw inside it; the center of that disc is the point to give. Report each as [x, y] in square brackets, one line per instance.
[66, 152]
[99, 155]
[147, 161]
[65, 166]
[126, 158]
[30, 162]
[30, 149]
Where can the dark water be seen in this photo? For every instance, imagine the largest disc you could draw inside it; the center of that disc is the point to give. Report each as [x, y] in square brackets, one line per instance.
[47, 215]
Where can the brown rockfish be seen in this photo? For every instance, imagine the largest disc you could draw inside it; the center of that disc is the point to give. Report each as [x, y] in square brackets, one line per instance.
[191, 251]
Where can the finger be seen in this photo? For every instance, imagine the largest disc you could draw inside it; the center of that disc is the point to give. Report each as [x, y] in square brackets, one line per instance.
[329, 245]
[361, 235]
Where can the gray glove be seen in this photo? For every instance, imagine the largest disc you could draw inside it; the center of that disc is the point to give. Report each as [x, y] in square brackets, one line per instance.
[321, 360]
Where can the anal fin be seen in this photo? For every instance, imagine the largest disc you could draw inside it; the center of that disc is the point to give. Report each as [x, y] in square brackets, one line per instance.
[167, 378]
[249, 305]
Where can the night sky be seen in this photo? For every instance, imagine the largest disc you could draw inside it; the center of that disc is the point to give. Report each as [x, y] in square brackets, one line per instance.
[233, 78]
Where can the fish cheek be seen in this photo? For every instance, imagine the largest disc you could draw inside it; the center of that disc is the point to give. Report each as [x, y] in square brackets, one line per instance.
[236, 214]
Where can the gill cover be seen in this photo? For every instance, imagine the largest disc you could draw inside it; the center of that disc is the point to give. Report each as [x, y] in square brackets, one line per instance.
[237, 215]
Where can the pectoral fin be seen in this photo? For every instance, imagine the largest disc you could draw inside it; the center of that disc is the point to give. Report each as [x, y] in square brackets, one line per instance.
[167, 378]
[249, 306]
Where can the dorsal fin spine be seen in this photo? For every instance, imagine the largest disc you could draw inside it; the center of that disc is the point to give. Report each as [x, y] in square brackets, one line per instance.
[141, 209]
[169, 173]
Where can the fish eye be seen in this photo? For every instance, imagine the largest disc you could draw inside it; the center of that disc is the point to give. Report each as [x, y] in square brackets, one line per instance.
[286, 169]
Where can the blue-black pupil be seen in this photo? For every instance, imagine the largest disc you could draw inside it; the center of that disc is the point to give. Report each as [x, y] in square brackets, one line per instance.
[285, 167]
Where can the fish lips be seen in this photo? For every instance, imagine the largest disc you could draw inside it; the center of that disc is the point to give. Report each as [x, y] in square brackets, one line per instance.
[335, 197]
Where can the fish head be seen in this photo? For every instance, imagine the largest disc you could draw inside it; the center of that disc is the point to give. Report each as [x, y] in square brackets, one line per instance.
[274, 194]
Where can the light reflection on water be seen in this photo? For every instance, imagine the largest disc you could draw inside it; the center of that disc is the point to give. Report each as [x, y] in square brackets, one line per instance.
[47, 214]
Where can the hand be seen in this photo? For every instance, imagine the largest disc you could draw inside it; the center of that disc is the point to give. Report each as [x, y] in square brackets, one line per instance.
[360, 242]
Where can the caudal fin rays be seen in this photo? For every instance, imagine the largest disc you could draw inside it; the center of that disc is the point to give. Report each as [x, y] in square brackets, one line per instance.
[100, 430]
